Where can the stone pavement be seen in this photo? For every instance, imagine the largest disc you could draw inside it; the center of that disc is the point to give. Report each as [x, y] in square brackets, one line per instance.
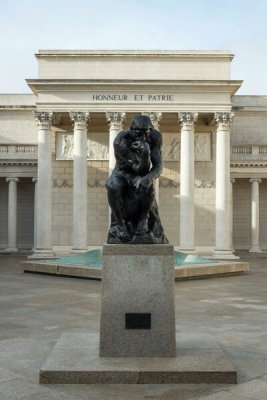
[36, 309]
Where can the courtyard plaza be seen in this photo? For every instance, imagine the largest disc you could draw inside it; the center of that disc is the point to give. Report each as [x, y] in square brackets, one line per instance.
[37, 309]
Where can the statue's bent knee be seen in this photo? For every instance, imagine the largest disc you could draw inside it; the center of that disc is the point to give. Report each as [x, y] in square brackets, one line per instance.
[113, 186]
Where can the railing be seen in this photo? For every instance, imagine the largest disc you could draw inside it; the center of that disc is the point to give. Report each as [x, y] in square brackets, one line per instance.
[242, 150]
[263, 149]
[3, 149]
[25, 151]
[249, 153]
[22, 149]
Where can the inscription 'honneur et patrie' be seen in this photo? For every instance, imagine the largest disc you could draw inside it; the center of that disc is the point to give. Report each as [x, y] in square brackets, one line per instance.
[132, 97]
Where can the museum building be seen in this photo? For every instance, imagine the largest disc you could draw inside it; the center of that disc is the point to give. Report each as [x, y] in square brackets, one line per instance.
[56, 150]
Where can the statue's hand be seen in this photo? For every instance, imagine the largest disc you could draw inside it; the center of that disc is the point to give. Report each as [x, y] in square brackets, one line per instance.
[142, 183]
[137, 145]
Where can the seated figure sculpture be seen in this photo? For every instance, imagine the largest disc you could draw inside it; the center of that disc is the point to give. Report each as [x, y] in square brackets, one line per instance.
[131, 194]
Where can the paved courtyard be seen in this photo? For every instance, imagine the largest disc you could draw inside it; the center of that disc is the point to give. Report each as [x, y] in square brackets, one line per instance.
[36, 309]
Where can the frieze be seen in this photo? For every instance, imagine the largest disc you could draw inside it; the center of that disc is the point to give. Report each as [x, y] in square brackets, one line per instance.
[97, 147]
[204, 184]
[172, 147]
[199, 184]
[68, 183]
[163, 182]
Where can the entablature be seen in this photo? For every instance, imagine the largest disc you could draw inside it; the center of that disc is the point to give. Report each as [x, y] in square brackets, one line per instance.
[60, 95]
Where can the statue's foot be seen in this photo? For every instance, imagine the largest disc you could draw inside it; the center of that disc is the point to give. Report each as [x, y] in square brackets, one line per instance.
[158, 231]
[141, 229]
[122, 233]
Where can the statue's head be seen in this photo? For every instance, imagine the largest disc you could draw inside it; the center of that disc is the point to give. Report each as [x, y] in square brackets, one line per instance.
[141, 125]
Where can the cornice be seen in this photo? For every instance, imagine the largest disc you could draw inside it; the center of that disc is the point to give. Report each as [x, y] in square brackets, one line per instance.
[243, 110]
[47, 85]
[180, 54]
[17, 107]
[248, 163]
[178, 82]
[18, 162]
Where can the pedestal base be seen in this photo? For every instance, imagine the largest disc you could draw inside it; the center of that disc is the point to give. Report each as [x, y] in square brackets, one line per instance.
[75, 360]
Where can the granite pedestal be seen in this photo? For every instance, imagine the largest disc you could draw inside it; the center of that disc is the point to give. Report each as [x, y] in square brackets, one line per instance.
[137, 314]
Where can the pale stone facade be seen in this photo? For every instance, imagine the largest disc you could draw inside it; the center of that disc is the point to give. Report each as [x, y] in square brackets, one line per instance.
[56, 153]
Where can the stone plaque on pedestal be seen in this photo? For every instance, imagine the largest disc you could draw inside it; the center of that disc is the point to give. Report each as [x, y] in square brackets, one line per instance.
[137, 315]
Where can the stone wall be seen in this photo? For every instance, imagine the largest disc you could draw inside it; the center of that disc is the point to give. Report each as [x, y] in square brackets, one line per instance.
[241, 214]
[3, 213]
[263, 214]
[250, 120]
[17, 127]
[25, 213]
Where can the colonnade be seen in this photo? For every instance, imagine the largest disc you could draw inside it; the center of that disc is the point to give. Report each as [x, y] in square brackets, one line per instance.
[43, 184]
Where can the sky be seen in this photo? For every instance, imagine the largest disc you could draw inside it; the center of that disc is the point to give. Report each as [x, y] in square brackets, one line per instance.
[237, 25]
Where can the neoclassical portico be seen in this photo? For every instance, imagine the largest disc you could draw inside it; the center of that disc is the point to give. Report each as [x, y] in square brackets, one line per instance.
[187, 166]
[189, 85]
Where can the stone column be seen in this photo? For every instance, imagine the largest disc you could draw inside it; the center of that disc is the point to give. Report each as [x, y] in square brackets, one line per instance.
[223, 246]
[12, 214]
[34, 180]
[155, 119]
[187, 181]
[116, 120]
[44, 188]
[232, 181]
[255, 216]
[80, 121]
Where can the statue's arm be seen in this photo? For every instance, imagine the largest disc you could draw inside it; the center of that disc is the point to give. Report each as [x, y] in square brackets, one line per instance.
[144, 182]
[121, 150]
[156, 156]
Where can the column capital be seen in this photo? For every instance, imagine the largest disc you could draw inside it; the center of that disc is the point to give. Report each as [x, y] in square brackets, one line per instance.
[11, 179]
[115, 119]
[187, 120]
[223, 120]
[252, 180]
[79, 119]
[44, 119]
[155, 118]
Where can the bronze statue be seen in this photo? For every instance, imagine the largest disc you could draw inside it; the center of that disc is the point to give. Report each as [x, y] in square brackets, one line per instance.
[131, 195]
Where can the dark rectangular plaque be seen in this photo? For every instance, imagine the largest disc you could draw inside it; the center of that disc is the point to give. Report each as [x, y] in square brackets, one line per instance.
[137, 321]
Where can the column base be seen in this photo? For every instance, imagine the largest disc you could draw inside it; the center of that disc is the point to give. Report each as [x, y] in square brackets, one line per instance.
[255, 250]
[78, 251]
[11, 250]
[225, 254]
[43, 253]
[187, 251]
